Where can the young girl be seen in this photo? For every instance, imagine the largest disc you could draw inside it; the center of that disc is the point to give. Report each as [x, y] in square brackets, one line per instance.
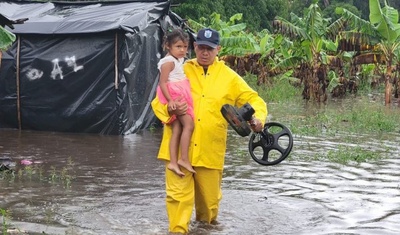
[174, 87]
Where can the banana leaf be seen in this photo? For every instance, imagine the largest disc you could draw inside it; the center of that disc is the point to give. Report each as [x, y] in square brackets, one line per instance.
[6, 38]
[385, 20]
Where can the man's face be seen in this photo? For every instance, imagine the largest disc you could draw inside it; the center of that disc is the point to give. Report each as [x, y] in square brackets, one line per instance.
[205, 55]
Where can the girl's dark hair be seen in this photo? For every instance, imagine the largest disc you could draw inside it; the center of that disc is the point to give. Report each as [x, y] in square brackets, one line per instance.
[175, 35]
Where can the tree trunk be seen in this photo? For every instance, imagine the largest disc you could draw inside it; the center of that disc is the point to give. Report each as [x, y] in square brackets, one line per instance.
[388, 84]
[305, 73]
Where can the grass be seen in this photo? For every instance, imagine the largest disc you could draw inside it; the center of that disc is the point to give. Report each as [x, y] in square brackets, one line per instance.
[63, 176]
[35, 172]
[346, 154]
[5, 216]
[281, 90]
[6, 227]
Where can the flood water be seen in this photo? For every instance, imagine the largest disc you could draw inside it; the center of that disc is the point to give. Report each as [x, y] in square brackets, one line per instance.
[93, 184]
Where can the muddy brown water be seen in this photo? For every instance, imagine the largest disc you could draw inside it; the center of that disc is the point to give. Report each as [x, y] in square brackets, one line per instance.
[93, 184]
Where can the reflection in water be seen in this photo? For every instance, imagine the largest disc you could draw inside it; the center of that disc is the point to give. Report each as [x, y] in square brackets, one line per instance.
[117, 187]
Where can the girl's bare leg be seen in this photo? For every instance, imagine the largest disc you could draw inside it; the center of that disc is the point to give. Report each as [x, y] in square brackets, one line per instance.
[174, 148]
[187, 131]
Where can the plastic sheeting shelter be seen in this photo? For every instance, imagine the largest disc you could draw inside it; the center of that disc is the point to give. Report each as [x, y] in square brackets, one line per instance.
[82, 67]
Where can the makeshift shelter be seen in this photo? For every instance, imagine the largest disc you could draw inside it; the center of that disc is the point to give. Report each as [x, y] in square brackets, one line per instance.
[87, 67]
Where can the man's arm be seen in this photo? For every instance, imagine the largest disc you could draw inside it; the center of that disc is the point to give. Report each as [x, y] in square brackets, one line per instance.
[248, 95]
[162, 111]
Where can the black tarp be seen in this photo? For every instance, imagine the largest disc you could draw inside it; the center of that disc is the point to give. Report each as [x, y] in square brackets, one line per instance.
[82, 67]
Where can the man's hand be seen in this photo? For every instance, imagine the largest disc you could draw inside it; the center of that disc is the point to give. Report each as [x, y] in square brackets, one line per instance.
[180, 108]
[256, 125]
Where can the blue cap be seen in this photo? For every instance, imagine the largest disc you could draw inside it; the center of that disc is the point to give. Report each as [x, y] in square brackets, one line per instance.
[208, 37]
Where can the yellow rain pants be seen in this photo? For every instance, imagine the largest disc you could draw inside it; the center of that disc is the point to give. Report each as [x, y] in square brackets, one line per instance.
[202, 189]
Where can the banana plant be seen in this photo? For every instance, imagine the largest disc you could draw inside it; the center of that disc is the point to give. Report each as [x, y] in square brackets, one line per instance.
[310, 38]
[383, 24]
[234, 39]
[244, 51]
[397, 72]
[6, 39]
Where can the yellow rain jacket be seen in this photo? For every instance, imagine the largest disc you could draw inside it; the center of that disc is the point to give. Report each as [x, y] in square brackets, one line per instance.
[210, 91]
[221, 85]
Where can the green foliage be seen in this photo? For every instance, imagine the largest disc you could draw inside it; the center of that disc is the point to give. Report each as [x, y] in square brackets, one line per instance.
[333, 80]
[358, 7]
[6, 38]
[309, 34]
[293, 29]
[309, 40]
[383, 22]
[329, 11]
[5, 214]
[366, 74]
[234, 39]
[257, 16]
[363, 7]
[196, 9]
[297, 7]
[357, 22]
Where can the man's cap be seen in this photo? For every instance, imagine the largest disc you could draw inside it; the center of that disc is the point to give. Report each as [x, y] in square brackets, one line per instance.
[208, 37]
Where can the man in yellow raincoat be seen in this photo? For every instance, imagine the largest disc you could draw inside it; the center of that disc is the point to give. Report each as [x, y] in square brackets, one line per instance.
[213, 84]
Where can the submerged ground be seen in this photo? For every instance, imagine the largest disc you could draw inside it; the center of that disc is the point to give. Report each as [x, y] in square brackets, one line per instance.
[92, 184]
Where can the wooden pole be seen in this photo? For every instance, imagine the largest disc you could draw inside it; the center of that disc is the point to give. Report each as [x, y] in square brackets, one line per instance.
[17, 81]
[116, 60]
